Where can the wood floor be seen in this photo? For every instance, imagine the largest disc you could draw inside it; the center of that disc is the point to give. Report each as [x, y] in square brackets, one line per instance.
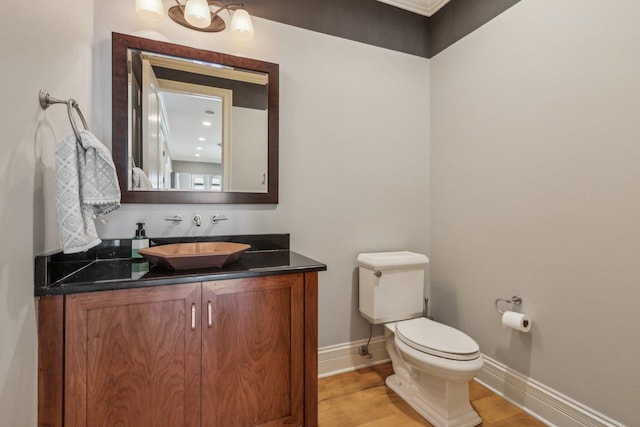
[361, 398]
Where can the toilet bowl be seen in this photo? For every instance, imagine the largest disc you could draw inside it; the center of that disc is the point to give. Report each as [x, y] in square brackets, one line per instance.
[433, 376]
[432, 362]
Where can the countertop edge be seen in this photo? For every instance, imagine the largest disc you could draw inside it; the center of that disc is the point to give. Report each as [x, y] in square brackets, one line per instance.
[188, 277]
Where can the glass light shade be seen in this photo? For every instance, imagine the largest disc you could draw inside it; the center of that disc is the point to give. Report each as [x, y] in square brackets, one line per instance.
[197, 13]
[150, 9]
[241, 26]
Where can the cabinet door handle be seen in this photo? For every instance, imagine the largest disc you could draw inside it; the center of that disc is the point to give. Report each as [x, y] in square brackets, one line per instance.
[209, 319]
[193, 317]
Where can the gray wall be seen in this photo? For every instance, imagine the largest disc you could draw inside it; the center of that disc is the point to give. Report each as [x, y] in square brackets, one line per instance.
[42, 47]
[535, 174]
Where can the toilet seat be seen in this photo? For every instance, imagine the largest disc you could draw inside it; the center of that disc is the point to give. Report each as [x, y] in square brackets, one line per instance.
[436, 339]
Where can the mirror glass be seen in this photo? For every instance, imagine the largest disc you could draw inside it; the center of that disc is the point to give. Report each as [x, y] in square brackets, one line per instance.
[193, 126]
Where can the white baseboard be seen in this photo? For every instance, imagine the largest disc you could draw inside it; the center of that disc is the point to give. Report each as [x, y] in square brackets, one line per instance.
[542, 402]
[337, 359]
[547, 405]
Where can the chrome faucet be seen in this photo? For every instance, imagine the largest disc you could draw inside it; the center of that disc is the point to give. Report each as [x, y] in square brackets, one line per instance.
[197, 220]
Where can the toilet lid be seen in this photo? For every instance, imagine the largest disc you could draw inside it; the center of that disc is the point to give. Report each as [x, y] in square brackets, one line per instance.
[437, 339]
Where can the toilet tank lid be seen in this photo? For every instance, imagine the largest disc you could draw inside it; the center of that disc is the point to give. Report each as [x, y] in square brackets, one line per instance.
[382, 260]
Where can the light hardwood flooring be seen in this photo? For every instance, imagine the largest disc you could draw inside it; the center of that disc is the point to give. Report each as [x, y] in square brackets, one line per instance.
[361, 398]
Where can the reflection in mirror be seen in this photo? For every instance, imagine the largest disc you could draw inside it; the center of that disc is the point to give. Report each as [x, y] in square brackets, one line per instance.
[204, 126]
[201, 127]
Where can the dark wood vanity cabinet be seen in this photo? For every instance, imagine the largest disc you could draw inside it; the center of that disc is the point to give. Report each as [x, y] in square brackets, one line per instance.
[237, 352]
[253, 352]
[133, 355]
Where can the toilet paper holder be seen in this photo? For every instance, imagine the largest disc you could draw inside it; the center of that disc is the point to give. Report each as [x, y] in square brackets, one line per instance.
[513, 300]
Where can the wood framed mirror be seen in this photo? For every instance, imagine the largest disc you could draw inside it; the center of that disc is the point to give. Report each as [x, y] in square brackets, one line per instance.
[193, 126]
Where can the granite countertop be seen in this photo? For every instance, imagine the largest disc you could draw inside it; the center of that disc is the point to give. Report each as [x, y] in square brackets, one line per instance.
[109, 266]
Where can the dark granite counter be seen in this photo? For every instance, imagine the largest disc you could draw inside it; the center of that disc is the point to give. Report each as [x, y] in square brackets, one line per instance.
[109, 266]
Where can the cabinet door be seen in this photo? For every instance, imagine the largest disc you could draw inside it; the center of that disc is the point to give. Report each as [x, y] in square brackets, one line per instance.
[253, 352]
[133, 357]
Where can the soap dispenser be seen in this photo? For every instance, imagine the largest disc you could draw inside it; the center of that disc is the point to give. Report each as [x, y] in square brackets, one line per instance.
[140, 241]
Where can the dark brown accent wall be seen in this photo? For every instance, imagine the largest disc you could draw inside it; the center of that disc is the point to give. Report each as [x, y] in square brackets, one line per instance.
[366, 21]
[382, 25]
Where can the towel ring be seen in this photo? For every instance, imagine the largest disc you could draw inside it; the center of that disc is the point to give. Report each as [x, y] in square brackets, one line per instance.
[47, 100]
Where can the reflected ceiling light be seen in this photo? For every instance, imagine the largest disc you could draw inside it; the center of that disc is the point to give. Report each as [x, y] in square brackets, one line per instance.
[197, 154]
[197, 15]
[202, 139]
[199, 148]
[206, 123]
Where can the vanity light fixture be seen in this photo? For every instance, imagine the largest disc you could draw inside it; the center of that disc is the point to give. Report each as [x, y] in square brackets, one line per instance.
[150, 9]
[197, 15]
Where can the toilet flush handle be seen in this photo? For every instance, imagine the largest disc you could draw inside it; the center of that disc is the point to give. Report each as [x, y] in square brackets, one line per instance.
[377, 273]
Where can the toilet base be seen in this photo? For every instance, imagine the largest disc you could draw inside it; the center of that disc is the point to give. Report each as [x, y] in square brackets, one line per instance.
[438, 389]
[410, 394]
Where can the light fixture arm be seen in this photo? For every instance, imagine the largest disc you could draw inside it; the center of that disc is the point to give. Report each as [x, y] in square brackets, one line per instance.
[221, 6]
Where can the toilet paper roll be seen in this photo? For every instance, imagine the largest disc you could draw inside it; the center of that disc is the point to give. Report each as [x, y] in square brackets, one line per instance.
[518, 321]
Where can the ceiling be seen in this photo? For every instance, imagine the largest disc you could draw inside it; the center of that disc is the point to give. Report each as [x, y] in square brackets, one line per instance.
[188, 139]
[422, 7]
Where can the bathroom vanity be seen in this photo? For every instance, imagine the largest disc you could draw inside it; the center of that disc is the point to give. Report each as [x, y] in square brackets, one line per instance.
[229, 346]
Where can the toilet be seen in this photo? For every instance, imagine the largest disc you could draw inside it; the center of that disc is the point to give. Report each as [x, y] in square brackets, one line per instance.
[432, 363]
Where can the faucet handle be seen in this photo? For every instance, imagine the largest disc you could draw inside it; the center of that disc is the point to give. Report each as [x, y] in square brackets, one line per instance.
[175, 219]
[215, 218]
[197, 220]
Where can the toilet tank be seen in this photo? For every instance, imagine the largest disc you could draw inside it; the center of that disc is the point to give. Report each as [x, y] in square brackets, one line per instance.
[391, 286]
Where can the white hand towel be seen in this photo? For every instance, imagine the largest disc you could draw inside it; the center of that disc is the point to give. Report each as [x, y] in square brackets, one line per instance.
[140, 180]
[86, 186]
